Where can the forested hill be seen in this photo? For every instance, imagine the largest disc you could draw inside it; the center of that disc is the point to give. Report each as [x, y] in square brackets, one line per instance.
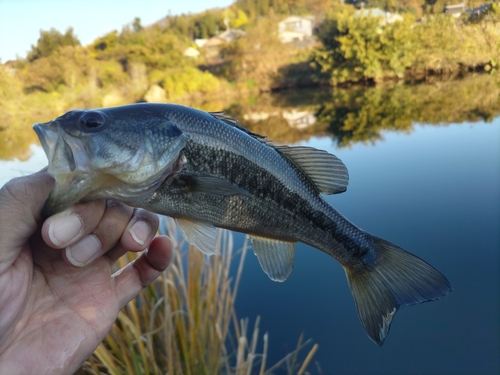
[349, 44]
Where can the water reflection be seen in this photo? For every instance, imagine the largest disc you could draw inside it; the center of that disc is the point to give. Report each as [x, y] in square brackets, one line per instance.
[348, 116]
[363, 114]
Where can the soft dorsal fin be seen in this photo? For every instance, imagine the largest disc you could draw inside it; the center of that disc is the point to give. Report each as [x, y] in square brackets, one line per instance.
[201, 235]
[233, 122]
[275, 257]
[326, 171]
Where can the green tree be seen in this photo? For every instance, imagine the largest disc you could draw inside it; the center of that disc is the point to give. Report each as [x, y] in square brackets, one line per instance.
[50, 41]
[137, 24]
[152, 46]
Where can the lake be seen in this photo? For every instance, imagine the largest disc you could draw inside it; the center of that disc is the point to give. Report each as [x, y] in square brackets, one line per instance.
[424, 166]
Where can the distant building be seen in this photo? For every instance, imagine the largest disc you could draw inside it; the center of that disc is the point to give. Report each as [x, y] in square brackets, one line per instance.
[386, 17]
[455, 10]
[212, 45]
[200, 42]
[191, 52]
[295, 28]
[231, 34]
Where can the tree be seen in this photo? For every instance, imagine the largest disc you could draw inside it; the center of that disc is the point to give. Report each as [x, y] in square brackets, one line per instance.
[50, 41]
[257, 56]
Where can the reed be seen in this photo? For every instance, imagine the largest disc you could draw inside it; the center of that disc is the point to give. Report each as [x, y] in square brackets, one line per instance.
[185, 322]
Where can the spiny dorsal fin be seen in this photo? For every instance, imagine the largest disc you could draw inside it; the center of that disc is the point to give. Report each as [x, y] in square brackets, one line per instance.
[275, 257]
[233, 122]
[222, 116]
[196, 233]
[327, 171]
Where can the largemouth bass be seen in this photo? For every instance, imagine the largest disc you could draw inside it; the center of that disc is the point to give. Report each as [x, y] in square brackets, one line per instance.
[208, 172]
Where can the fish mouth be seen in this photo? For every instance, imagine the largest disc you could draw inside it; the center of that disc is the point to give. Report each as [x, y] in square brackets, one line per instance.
[65, 153]
[47, 136]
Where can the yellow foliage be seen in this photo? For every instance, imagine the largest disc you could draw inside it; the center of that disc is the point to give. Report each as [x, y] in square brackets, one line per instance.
[188, 81]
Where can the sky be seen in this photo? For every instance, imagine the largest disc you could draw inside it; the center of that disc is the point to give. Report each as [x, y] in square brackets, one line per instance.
[22, 20]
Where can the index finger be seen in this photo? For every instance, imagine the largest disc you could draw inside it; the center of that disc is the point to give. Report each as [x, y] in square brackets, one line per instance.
[69, 226]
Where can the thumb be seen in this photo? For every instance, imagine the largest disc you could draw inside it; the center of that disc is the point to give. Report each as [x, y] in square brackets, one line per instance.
[21, 200]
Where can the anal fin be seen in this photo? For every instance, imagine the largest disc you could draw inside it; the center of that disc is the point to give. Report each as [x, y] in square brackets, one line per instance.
[275, 257]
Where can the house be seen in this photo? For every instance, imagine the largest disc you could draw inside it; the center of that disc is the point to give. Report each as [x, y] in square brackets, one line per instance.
[295, 28]
[212, 46]
[386, 17]
[455, 10]
[231, 34]
[191, 52]
[200, 42]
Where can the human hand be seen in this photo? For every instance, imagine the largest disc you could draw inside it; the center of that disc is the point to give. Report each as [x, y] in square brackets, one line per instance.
[58, 295]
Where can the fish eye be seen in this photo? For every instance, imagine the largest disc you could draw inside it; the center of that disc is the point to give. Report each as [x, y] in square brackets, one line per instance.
[92, 121]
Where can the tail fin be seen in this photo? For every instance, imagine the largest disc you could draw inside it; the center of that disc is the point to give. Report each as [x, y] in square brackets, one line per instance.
[395, 278]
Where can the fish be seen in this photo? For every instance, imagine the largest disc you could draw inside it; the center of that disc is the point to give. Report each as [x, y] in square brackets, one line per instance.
[207, 171]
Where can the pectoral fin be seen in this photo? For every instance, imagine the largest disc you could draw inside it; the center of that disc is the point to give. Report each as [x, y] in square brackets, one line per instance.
[275, 257]
[201, 235]
[209, 184]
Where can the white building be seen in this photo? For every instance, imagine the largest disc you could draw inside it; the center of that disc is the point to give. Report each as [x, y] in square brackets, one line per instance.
[191, 52]
[386, 17]
[295, 28]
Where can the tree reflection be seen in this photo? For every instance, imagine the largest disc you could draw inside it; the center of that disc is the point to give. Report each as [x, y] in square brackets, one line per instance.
[362, 115]
[348, 115]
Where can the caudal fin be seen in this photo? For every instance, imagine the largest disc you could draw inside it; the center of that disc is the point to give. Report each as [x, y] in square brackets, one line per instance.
[395, 278]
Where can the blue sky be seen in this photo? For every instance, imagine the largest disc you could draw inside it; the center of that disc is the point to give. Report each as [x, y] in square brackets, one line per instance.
[22, 20]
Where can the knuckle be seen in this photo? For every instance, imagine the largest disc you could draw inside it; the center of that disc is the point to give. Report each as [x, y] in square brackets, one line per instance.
[149, 217]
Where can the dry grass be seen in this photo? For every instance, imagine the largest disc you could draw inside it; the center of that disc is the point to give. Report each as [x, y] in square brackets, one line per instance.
[185, 323]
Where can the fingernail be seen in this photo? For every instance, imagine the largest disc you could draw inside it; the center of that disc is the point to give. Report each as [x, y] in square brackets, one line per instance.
[64, 228]
[140, 231]
[81, 252]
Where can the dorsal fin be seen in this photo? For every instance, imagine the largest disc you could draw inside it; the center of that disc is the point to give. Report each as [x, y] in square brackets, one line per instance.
[233, 122]
[222, 116]
[327, 171]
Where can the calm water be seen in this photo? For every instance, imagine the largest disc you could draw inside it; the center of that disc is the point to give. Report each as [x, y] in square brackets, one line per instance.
[422, 178]
[434, 192]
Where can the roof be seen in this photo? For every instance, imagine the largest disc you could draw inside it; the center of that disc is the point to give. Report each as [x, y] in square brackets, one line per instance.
[377, 12]
[231, 34]
[297, 18]
[191, 52]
